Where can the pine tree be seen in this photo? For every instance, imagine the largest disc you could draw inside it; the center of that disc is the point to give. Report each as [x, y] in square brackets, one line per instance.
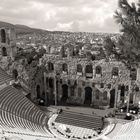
[128, 16]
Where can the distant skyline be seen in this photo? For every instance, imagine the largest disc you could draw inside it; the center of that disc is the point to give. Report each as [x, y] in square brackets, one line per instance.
[62, 15]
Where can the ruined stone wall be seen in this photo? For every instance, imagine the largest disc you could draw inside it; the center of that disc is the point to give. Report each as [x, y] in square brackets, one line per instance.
[10, 42]
[109, 82]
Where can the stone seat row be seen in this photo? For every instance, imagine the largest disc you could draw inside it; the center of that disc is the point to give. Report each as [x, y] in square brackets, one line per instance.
[16, 103]
[20, 114]
[16, 123]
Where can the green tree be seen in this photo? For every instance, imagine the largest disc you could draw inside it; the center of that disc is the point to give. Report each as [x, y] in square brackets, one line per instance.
[109, 46]
[128, 16]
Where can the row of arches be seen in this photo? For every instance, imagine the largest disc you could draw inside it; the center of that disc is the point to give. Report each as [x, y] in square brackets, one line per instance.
[88, 69]
[69, 51]
[88, 95]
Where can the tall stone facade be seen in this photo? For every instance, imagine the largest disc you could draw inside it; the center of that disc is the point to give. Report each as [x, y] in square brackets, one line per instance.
[81, 81]
[7, 43]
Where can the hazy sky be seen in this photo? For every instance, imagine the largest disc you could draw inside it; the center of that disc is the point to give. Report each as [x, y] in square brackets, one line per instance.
[66, 15]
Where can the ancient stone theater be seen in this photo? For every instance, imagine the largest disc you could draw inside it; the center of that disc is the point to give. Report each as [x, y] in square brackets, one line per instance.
[79, 80]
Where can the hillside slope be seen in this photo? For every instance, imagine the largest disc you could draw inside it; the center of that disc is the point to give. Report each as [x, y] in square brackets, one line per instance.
[21, 29]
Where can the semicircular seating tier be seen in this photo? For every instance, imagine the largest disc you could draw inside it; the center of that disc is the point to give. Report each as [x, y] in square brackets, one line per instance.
[19, 114]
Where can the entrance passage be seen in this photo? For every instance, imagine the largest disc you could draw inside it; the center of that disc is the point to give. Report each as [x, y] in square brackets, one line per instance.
[38, 91]
[64, 93]
[15, 74]
[88, 96]
[112, 98]
[122, 93]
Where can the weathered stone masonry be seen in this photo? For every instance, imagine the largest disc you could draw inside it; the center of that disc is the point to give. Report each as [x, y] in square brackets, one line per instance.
[97, 83]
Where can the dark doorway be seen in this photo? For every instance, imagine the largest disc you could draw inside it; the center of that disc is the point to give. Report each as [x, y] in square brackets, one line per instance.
[4, 51]
[122, 93]
[47, 82]
[50, 67]
[112, 98]
[88, 96]
[64, 93]
[51, 91]
[38, 91]
[131, 98]
[15, 74]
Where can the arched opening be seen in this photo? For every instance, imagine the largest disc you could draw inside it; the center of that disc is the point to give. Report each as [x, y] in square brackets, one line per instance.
[137, 89]
[15, 74]
[47, 82]
[38, 91]
[3, 36]
[102, 85]
[98, 70]
[112, 98]
[133, 74]
[79, 69]
[115, 72]
[89, 71]
[88, 96]
[64, 93]
[50, 66]
[50, 91]
[4, 51]
[122, 93]
[65, 68]
[93, 57]
[131, 98]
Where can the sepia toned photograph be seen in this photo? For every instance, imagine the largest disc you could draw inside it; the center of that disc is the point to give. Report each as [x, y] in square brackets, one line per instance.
[69, 69]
